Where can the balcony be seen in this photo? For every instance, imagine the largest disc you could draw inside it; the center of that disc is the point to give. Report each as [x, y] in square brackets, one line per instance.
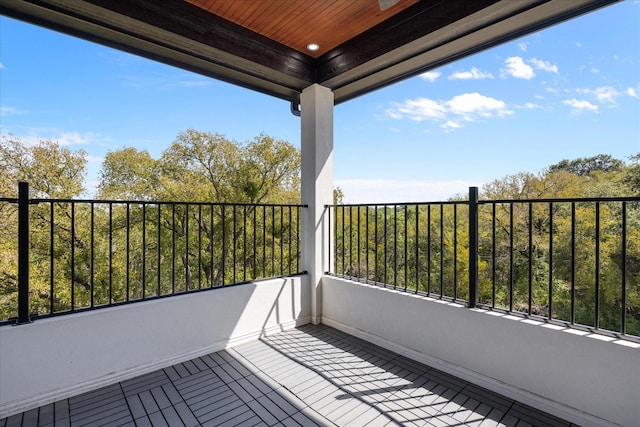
[455, 345]
[241, 348]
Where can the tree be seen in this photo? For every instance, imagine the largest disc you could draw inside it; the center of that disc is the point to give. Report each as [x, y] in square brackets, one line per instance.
[632, 174]
[260, 171]
[338, 196]
[578, 239]
[588, 165]
[553, 258]
[206, 167]
[129, 174]
[52, 171]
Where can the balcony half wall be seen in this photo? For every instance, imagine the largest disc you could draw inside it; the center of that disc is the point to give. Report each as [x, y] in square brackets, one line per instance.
[588, 379]
[62, 356]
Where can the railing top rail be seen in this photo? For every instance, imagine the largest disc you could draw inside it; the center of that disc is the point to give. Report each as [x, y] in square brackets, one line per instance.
[9, 199]
[496, 201]
[36, 201]
[448, 202]
[563, 200]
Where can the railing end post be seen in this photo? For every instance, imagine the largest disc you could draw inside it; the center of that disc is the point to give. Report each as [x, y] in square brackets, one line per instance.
[473, 246]
[23, 253]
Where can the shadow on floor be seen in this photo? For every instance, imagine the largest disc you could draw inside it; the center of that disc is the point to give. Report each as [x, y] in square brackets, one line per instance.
[310, 376]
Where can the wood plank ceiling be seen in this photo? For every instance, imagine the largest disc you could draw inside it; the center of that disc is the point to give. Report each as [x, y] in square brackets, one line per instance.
[297, 23]
[262, 44]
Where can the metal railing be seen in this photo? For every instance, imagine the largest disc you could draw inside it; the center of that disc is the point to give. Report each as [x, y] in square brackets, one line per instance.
[571, 261]
[76, 255]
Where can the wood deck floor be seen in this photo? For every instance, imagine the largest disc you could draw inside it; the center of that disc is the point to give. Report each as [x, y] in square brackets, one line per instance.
[313, 375]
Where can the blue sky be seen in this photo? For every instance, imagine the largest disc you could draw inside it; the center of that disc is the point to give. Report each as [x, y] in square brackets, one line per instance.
[572, 90]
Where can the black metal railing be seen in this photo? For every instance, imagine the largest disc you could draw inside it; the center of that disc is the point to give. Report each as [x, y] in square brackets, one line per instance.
[76, 255]
[574, 261]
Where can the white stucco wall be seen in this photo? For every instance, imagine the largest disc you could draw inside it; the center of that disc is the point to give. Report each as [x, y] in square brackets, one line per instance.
[584, 378]
[62, 356]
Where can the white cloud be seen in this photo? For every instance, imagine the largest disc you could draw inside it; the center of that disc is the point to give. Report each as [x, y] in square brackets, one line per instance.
[474, 104]
[398, 191]
[466, 107]
[63, 138]
[516, 67]
[431, 76]
[473, 74]
[523, 46]
[607, 94]
[9, 111]
[394, 114]
[74, 138]
[530, 106]
[451, 125]
[578, 106]
[419, 109]
[544, 65]
[1, 66]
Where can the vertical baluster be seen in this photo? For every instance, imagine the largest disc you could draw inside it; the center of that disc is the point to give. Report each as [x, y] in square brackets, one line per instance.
[530, 250]
[511, 256]
[158, 219]
[473, 246]
[23, 253]
[596, 323]
[550, 314]
[623, 262]
[92, 255]
[493, 255]
[51, 261]
[573, 263]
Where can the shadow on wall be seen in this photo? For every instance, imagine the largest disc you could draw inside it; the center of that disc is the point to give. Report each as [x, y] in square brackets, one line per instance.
[89, 350]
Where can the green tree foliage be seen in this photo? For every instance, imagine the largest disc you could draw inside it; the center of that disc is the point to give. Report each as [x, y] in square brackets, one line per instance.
[338, 196]
[631, 176]
[552, 259]
[589, 165]
[206, 167]
[131, 245]
[129, 174]
[53, 171]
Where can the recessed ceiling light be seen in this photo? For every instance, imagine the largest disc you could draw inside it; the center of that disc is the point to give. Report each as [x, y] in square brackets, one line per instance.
[313, 46]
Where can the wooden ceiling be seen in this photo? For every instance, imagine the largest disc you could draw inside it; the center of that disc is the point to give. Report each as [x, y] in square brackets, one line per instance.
[261, 44]
[297, 23]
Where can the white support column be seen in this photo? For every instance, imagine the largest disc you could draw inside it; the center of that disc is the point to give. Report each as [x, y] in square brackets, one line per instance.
[316, 103]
